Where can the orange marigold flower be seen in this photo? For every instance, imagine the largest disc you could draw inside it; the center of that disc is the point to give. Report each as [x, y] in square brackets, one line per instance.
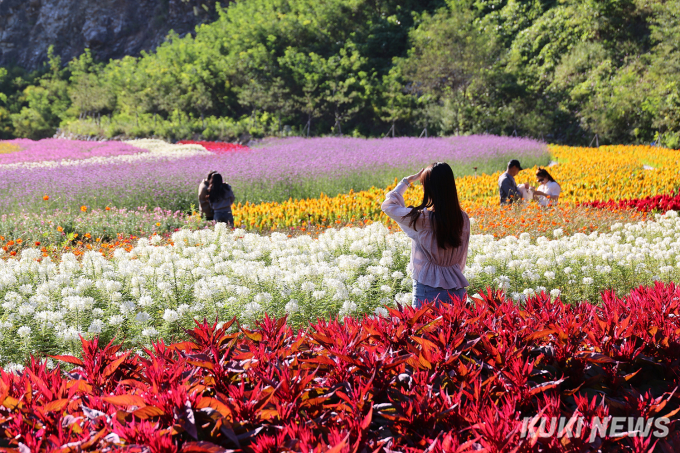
[107, 208]
[37, 243]
[20, 241]
[60, 229]
[88, 235]
[158, 224]
[46, 197]
[83, 208]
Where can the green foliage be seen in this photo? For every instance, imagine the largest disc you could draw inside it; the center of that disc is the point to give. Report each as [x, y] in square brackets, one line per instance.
[563, 70]
[45, 103]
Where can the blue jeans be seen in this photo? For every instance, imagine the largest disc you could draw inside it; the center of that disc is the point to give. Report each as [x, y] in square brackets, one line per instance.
[225, 216]
[424, 293]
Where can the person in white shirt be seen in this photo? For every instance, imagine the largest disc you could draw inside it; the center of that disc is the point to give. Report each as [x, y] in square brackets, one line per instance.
[548, 191]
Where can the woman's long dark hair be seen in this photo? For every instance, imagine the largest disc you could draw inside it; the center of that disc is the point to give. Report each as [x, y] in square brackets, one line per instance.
[439, 193]
[216, 190]
[543, 173]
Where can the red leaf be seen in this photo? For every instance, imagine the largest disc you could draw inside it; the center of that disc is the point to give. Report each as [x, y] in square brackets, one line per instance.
[539, 334]
[255, 336]
[545, 386]
[125, 400]
[216, 404]
[147, 412]
[338, 448]
[367, 420]
[183, 346]
[201, 364]
[82, 386]
[595, 357]
[56, 405]
[68, 359]
[201, 447]
[113, 366]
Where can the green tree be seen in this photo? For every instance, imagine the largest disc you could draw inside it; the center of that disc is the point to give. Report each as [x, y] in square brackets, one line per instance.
[87, 90]
[46, 103]
[448, 56]
[396, 103]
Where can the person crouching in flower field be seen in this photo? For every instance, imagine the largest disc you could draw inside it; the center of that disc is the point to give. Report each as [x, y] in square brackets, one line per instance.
[549, 191]
[203, 202]
[221, 197]
[440, 233]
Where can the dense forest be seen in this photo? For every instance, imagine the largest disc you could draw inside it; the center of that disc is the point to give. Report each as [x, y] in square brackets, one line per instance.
[561, 70]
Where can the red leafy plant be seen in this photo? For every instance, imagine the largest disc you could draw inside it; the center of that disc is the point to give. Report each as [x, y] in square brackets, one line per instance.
[458, 378]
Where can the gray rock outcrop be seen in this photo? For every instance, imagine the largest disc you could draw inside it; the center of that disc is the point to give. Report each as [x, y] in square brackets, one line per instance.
[110, 28]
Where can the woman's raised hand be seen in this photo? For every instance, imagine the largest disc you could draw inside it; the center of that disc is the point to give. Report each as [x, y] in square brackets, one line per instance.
[413, 178]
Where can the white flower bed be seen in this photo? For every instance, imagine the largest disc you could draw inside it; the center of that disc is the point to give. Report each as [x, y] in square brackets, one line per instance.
[578, 267]
[154, 290]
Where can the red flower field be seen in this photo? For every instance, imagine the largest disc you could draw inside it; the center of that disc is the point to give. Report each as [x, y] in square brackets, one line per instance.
[452, 379]
[661, 203]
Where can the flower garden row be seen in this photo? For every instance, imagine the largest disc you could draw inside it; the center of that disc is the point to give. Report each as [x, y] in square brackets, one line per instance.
[158, 174]
[58, 152]
[579, 171]
[153, 289]
[460, 378]
[102, 229]
[625, 164]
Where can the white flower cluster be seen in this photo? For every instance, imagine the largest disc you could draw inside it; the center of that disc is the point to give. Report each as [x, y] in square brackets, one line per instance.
[156, 290]
[578, 266]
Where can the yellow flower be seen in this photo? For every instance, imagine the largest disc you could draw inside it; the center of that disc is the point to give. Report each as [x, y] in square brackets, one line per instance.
[83, 208]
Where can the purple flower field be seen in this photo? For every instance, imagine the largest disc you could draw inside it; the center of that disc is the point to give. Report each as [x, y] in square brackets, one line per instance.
[58, 149]
[275, 171]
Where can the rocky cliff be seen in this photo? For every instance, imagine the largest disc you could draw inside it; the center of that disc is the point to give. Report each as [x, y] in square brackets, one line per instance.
[110, 28]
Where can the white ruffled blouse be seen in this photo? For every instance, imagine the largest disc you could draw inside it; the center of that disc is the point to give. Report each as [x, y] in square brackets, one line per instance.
[430, 265]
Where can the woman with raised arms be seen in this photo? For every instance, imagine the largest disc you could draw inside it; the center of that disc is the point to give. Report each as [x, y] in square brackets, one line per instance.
[440, 233]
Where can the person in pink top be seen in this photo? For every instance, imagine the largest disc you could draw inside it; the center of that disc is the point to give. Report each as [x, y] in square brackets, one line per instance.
[440, 233]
